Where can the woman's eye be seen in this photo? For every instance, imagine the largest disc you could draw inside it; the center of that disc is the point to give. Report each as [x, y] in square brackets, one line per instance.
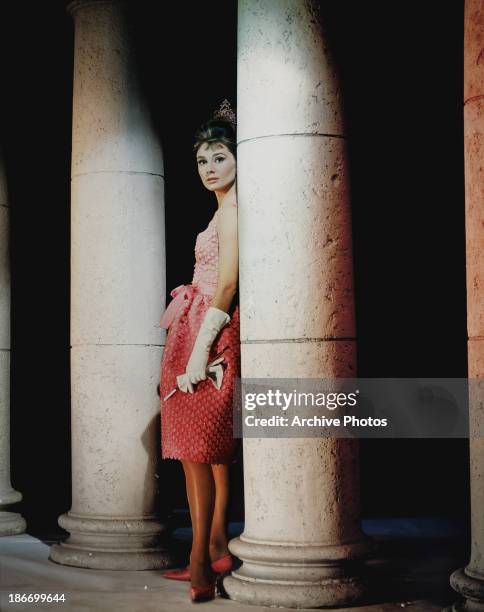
[219, 159]
[201, 161]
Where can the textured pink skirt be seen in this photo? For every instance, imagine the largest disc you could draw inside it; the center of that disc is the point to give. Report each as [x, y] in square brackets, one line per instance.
[197, 426]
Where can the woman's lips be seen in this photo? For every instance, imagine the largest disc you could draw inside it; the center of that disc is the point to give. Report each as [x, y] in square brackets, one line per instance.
[210, 180]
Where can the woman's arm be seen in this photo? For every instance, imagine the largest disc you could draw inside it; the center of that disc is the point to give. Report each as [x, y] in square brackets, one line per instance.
[228, 258]
[217, 315]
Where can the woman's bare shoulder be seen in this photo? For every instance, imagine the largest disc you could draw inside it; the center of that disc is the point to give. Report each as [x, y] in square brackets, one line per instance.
[229, 207]
[228, 211]
[227, 217]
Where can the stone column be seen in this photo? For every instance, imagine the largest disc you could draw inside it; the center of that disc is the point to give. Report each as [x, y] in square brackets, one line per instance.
[10, 522]
[469, 581]
[302, 526]
[117, 287]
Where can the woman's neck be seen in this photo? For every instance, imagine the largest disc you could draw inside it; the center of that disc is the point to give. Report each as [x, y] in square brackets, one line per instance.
[223, 195]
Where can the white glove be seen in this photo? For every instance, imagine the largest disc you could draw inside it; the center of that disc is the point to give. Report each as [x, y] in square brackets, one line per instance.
[213, 322]
[215, 373]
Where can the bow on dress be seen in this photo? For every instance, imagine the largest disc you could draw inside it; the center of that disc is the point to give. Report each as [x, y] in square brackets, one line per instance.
[179, 295]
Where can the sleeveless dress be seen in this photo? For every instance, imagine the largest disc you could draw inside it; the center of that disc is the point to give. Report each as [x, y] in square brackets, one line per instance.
[198, 426]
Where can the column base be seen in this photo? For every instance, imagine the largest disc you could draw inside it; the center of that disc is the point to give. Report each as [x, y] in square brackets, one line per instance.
[11, 523]
[466, 606]
[472, 588]
[113, 544]
[298, 576]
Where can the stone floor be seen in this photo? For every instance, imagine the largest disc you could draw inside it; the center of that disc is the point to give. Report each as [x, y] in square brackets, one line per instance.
[410, 571]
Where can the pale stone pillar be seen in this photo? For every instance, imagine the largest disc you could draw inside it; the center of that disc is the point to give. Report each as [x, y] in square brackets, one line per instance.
[297, 314]
[117, 287]
[10, 522]
[469, 581]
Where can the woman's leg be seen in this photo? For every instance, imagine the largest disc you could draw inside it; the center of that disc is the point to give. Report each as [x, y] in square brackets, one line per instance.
[201, 499]
[218, 545]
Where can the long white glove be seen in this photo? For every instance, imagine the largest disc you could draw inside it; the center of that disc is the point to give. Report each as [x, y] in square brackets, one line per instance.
[213, 322]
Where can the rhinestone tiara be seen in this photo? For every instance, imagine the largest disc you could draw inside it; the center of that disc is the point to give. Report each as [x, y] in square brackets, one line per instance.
[225, 112]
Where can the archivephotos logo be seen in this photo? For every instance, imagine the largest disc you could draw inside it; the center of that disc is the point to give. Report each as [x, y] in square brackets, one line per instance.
[359, 408]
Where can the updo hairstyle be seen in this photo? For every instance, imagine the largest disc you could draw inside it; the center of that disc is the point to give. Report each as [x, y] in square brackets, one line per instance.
[216, 130]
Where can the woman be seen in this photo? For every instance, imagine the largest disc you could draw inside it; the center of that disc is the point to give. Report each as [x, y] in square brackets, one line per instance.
[203, 322]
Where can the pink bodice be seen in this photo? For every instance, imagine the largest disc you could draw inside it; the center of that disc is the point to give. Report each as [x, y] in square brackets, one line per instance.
[205, 272]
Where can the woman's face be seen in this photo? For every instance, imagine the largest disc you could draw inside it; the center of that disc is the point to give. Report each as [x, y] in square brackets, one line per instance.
[216, 166]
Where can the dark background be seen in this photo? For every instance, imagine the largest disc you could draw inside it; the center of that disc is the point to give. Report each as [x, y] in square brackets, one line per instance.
[401, 67]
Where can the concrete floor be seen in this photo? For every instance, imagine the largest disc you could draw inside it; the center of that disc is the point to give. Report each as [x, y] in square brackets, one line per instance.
[410, 573]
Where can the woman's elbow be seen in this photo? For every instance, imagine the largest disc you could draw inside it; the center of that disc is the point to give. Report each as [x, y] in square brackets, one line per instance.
[229, 287]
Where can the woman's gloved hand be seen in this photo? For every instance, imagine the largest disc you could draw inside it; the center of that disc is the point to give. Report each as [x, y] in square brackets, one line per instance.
[213, 322]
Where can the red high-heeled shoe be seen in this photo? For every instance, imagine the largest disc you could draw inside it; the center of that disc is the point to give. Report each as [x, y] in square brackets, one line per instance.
[204, 593]
[179, 574]
[219, 566]
[223, 565]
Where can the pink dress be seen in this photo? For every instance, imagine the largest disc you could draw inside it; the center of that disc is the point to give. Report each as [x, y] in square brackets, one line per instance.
[198, 426]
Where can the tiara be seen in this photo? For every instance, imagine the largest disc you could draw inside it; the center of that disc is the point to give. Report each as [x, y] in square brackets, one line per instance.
[225, 112]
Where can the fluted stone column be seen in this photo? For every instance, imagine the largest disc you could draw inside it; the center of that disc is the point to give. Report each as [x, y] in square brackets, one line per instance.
[469, 581]
[117, 270]
[10, 522]
[302, 524]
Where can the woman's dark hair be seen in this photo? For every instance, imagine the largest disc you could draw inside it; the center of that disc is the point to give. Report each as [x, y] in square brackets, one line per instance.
[216, 130]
